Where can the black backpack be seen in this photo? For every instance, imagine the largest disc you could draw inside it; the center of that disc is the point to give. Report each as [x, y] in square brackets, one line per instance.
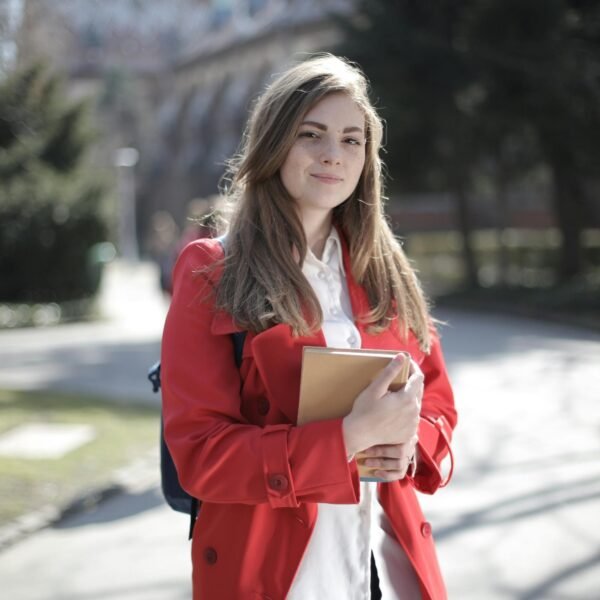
[177, 498]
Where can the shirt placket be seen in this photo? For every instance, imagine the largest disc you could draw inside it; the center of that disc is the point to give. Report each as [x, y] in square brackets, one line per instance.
[340, 310]
[327, 278]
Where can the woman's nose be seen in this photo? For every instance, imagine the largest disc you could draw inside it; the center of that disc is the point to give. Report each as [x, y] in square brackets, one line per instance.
[330, 154]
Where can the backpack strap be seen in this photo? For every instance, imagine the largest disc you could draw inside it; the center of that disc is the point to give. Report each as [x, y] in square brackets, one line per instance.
[154, 376]
[195, 507]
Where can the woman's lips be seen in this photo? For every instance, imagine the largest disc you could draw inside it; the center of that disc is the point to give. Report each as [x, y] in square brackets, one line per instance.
[331, 179]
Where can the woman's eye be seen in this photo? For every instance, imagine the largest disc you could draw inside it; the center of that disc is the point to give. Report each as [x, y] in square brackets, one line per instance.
[353, 141]
[309, 134]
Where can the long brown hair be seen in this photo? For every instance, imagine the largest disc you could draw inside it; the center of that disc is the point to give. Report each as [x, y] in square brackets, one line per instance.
[262, 283]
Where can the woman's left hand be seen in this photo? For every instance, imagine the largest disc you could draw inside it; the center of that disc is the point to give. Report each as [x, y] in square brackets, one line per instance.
[392, 461]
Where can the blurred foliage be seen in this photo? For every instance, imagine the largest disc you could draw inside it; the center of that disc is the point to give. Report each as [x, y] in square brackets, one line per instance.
[496, 87]
[529, 285]
[50, 204]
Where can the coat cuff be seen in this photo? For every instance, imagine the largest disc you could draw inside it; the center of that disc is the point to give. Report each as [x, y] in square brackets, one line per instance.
[308, 463]
[277, 473]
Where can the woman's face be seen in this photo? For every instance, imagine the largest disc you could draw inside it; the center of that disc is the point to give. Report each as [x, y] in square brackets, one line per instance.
[324, 165]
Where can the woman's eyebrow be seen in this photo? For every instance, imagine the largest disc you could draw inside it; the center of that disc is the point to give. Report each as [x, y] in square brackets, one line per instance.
[323, 127]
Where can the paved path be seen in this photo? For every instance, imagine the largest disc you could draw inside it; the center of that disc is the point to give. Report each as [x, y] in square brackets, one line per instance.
[521, 518]
[109, 357]
[519, 521]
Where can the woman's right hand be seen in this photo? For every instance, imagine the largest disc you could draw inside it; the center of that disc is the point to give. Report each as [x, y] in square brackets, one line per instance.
[380, 416]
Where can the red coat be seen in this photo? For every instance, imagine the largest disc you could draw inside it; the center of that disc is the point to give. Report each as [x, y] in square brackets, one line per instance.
[233, 437]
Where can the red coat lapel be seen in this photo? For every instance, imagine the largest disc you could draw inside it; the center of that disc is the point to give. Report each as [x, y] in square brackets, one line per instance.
[278, 358]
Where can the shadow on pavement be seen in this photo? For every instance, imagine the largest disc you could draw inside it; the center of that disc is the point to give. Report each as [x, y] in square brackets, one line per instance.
[478, 469]
[525, 505]
[546, 589]
[156, 590]
[475, 337]
[110, 369]
[120, 506]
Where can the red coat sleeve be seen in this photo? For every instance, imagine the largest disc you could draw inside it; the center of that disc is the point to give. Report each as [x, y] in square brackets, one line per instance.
[438, 419]
[219, 455]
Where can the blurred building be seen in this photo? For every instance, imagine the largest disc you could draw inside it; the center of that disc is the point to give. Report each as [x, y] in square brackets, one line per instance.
[203, 100]
[176, 80]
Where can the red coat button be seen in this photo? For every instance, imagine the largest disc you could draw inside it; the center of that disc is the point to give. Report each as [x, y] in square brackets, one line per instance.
[263, 406]
[426, 529]
[278, 482]
[210, 556]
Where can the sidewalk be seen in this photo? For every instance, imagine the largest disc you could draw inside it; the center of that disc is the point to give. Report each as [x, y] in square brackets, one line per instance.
[518, 521]
[109, 357]
[520, 518]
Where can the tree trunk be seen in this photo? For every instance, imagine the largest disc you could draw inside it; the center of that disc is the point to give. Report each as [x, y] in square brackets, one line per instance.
[502, 213]
[465, 228]
[568, 205]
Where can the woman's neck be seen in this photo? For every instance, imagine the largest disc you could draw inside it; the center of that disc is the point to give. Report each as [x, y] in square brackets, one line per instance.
[316, 230]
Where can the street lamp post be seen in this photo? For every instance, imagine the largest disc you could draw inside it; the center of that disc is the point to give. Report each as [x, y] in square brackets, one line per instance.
[125, 161]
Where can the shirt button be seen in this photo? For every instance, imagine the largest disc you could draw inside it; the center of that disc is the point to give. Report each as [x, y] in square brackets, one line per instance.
[426, 529]
[210, 556]
[335, 311]
[278, 482]
[263, 406]
[321, 275]
[352, 340]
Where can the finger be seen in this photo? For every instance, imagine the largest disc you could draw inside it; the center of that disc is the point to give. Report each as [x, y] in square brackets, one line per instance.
[379, 386]
[388, 451]
[415, 381]
[411, 446]
[387, 464]
[395, 452]
[414, 367]
[414, 388]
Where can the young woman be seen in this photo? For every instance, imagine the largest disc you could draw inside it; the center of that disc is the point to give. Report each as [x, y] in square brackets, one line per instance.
[308, 259]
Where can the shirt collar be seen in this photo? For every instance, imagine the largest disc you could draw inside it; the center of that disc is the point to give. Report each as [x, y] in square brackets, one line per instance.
[333, 247]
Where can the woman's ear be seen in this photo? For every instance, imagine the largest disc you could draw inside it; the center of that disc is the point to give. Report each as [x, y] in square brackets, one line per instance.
[296, 254]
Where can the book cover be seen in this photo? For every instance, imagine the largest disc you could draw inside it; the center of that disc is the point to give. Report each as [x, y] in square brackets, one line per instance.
[332, 378]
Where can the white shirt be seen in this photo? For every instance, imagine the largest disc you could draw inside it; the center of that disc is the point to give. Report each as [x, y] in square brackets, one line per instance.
[337, 561]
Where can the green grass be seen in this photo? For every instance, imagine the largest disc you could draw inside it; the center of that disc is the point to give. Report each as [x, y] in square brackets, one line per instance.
[123, 433]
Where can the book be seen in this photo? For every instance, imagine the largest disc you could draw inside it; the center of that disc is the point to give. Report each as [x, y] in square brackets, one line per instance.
[332, 378]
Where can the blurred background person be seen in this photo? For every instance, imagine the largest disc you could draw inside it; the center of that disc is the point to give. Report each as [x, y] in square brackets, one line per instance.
[162, 245]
